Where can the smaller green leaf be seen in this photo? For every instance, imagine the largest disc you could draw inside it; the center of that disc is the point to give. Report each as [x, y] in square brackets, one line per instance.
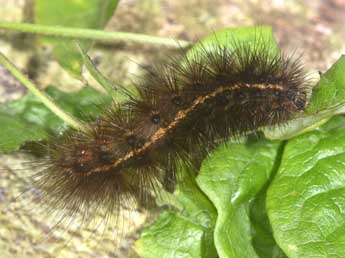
[28, 113]
[197, 208]
[14, 133]
[171, 236]
[330, 90]
[263, 241]
[67, 56]
[92, 14]
[200, 214]
[232, 175]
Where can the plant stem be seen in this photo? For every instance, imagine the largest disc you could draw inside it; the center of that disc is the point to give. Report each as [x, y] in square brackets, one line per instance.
[91, 34]
[46, 100]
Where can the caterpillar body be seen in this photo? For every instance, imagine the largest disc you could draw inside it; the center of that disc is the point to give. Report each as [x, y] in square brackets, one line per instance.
[179, 112]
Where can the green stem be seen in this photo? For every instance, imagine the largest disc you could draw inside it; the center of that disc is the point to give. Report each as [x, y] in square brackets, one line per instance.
[46, 100]
[91, 34]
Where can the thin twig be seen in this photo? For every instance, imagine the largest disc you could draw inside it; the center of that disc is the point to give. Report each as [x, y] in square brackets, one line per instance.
[46, 100]
[92, 34]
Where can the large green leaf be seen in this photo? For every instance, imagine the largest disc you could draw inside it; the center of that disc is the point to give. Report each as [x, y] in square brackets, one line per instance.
[73, 13]
[306, 201]
[230, 177]
[28, 119]
[263, 241]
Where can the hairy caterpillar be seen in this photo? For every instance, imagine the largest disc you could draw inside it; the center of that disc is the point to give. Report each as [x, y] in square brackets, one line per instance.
[179, 112]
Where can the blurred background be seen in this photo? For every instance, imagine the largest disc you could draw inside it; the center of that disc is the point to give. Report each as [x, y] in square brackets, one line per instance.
[312, 27]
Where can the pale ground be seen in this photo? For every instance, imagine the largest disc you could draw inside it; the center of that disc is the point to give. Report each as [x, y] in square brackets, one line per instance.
[315, 28]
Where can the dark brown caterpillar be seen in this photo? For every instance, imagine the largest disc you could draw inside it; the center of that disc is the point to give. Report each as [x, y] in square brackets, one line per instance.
[180, 111]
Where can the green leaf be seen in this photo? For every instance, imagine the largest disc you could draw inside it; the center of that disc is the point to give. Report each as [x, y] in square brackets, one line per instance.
[233, 37]
[13, 133]
[330, 91]
[306, 201]
[232, 175]
[92, 14]
[263, 241]
[198, 217]
[197, 208]
[171, 236]
[29, 116]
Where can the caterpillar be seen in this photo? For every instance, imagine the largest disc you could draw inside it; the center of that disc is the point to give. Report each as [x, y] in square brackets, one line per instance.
[178, 112]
